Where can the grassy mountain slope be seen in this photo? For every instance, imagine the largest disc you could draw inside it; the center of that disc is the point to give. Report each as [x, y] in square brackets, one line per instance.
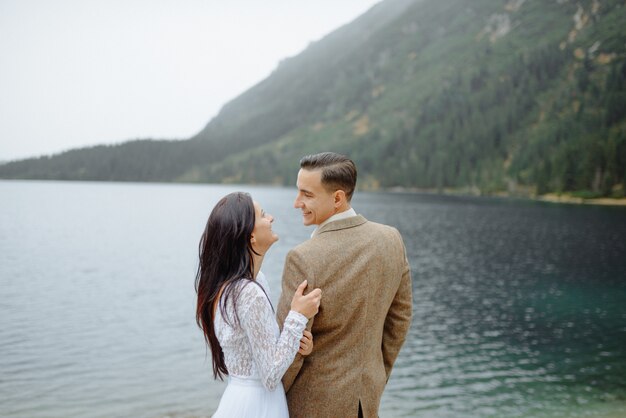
[527, 96]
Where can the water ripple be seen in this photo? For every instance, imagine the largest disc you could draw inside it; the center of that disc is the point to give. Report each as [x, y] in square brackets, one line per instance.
[518, 307]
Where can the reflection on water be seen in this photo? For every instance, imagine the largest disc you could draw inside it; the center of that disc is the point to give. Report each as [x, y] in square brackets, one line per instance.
[520, 308]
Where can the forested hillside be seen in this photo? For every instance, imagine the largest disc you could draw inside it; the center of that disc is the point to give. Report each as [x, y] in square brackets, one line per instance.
[521, 96]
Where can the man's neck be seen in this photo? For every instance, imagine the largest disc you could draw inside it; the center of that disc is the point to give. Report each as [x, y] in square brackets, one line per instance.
[343, 208]
[348, 212]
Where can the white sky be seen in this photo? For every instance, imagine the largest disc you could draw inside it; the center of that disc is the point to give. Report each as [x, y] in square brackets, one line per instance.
[84, 72]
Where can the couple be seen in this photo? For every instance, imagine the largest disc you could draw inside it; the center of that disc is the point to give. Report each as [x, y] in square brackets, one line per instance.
[358, 312]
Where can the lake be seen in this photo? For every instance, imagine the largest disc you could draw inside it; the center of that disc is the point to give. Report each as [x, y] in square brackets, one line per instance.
[519, 307]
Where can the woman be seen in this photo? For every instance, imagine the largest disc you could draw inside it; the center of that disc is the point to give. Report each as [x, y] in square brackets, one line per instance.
[236, 315]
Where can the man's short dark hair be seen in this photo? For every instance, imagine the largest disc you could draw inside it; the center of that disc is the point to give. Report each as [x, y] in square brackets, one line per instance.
[338, 171]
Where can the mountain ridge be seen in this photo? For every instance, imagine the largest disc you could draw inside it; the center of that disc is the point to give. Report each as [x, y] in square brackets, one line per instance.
[519, 96]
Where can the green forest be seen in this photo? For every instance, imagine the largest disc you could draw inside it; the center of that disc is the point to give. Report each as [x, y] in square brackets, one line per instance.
[523, 97]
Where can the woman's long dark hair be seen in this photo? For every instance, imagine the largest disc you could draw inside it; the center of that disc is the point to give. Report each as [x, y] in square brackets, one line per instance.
[225, 260]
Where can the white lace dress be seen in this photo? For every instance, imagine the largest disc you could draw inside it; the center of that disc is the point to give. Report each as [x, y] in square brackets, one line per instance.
[257, 354]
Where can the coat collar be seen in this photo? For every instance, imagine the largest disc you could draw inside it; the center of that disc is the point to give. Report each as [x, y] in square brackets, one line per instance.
[350, 222]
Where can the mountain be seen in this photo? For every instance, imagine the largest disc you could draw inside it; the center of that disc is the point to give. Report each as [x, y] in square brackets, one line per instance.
[524, 96]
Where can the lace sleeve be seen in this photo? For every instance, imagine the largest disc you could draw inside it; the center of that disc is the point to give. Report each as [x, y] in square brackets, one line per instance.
[272, 356]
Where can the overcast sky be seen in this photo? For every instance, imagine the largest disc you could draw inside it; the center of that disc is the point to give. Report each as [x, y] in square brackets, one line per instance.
[84, 72]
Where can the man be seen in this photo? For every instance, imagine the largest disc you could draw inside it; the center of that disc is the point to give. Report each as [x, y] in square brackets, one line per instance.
[366, 306]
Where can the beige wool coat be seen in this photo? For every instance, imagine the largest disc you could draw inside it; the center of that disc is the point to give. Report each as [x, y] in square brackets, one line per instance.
[363, 320]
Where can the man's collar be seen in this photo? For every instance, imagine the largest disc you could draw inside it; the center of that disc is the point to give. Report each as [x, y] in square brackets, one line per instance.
[336, 217]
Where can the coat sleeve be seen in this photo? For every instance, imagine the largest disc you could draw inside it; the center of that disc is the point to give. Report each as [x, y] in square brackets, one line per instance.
[294, 273]
[399, 316]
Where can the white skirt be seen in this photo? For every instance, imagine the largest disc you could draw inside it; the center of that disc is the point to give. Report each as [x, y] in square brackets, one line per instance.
[247, 398]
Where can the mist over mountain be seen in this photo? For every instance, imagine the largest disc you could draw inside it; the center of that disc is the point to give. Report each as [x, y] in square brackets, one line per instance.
[521, 96]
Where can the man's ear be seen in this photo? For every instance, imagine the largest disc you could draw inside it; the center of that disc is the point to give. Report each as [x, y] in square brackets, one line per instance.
[340, 198]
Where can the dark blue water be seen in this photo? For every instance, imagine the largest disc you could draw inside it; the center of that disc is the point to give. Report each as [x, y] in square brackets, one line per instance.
[520, 307]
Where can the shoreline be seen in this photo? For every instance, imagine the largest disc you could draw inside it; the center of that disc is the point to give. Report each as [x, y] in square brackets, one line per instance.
[602, 201]
[469, 192]
[548, 197]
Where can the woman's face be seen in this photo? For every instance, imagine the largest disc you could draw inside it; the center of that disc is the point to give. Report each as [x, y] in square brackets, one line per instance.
[262, 236]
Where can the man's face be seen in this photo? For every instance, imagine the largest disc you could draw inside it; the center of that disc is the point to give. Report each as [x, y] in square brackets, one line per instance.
[315, 202]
